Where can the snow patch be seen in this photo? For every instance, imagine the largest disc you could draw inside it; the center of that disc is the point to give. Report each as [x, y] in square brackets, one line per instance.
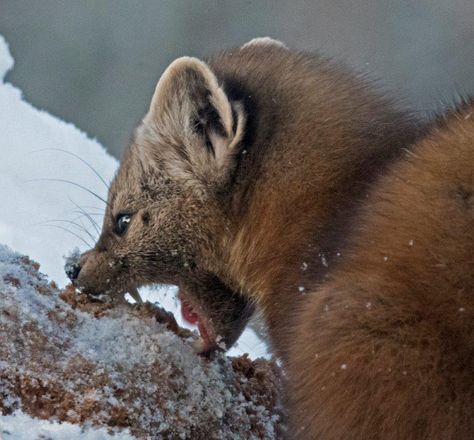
[126, 365]
[20, 426]
[6, 60]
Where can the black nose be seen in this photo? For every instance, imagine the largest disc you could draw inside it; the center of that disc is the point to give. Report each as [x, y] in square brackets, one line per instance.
[72, 271]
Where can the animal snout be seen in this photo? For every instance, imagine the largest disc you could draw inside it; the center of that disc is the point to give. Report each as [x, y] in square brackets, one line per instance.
[74, 267]
[72, 271]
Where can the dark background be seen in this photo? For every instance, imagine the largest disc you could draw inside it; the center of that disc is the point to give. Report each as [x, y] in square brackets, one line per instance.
[95, 62]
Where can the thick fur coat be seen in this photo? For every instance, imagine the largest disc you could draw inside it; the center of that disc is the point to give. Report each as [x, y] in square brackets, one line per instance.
[279, 179]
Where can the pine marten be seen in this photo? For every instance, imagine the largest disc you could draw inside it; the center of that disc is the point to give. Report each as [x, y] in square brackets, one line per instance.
[242, 185]
[243, 172]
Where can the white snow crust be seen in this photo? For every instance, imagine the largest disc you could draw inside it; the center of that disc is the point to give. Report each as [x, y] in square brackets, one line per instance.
[20, 426]
[106, 361]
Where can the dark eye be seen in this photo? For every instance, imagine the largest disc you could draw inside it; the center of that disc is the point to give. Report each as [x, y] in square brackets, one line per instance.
[122, 221]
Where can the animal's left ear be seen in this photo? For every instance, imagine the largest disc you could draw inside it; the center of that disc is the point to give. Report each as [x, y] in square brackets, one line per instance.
[195, 121]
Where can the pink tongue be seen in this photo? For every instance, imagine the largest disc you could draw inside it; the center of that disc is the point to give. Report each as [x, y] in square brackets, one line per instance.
[188, 314]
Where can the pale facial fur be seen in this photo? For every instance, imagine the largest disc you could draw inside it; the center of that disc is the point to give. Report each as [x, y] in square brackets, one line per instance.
[172, 183]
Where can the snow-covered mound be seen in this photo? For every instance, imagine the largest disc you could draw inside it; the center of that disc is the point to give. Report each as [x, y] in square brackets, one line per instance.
[64, 358]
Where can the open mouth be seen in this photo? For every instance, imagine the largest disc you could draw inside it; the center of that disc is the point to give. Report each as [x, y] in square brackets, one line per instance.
[115, 298]
[192, 315]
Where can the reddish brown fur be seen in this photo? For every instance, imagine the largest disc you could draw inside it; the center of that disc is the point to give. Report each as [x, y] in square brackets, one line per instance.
[247, 172]
[385, 349]
[320, 136]
[249, 213]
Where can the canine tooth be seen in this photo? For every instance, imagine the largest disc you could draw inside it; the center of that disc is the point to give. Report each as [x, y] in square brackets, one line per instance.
[199, 345]
[135, 295]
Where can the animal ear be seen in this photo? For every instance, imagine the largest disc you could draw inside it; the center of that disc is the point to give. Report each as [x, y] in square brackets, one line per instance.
[264, 41]
[191, 114]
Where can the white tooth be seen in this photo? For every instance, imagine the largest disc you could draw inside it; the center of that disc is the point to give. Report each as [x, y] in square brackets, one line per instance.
[220, 343]
[199, 345]
[135, 295]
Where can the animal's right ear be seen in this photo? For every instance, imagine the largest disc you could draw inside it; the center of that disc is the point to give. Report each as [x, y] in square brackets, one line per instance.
[192, 117]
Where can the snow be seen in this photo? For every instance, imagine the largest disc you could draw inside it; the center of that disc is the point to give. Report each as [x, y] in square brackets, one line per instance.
[125, 361]
[6, 60]
[20, 426]
[48, 172]
[29, 142]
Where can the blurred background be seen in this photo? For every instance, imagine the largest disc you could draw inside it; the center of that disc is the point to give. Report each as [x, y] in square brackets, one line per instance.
[95, 62]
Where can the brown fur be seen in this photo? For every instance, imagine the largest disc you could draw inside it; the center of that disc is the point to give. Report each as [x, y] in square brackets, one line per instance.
[386, 347]
[318, 136]
[246, 173]
[242, 171]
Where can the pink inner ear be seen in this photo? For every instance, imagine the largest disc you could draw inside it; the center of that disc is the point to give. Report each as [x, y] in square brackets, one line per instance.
[188, 313]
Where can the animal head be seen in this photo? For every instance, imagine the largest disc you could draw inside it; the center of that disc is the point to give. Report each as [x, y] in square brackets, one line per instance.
[168, 204]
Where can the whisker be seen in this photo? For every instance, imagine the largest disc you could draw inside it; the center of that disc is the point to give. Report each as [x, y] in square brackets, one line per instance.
[71, 183]
[93, 207]
[93, 222]
[79, 217]
[79, 158]
[71, 232]
[84, 214]
[133, 291]
[77, 225]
